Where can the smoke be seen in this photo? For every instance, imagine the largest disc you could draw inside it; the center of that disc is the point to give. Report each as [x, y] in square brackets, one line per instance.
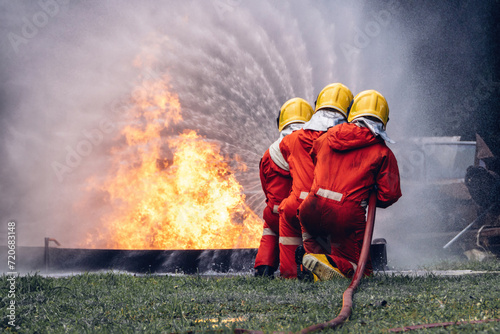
[68, 70]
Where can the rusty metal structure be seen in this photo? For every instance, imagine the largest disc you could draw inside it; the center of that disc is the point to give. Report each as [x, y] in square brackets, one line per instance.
[481, 237]
[461, 185]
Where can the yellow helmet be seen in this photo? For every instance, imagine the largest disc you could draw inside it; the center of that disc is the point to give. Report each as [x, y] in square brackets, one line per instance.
[336, 96]
[370, 103]
[295, 110]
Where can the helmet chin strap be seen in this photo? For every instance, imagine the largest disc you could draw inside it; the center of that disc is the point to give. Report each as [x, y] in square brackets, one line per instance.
[377, 128]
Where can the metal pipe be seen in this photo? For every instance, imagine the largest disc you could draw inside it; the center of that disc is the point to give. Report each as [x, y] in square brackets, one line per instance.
[46, 255]
[46, 258]
[480, 217]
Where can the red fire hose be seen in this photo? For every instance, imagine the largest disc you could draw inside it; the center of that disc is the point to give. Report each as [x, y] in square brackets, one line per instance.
[345, 312]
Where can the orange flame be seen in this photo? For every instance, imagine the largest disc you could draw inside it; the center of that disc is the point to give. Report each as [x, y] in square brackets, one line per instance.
[192, 202]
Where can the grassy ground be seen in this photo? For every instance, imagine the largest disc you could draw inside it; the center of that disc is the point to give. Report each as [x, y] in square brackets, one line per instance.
[122, 303]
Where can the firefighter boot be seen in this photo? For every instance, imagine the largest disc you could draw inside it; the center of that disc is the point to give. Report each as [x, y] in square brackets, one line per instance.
[302, 273]
[322, 266]
[264, 271]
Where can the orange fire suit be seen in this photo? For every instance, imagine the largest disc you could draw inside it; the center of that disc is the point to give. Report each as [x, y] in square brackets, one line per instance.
[276, 184]
[349, 163]
[295, 149]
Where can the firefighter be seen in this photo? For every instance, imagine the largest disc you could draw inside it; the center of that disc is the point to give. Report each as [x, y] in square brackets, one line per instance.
[331, 109]
[276, 184]
[350, 161]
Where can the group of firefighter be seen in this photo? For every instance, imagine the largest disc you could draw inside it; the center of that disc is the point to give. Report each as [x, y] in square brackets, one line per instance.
[317, 178]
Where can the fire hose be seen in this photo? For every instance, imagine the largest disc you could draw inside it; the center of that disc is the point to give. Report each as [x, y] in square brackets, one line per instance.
[345, 312]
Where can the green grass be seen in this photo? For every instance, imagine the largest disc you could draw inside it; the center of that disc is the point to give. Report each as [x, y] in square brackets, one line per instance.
[460, 264]
[121, 303]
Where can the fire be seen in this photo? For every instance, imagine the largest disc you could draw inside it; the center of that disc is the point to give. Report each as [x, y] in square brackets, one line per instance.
[192, 201]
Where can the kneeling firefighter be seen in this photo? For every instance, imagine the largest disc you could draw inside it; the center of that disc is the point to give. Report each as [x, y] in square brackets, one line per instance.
[350, 160]
[276, 184]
